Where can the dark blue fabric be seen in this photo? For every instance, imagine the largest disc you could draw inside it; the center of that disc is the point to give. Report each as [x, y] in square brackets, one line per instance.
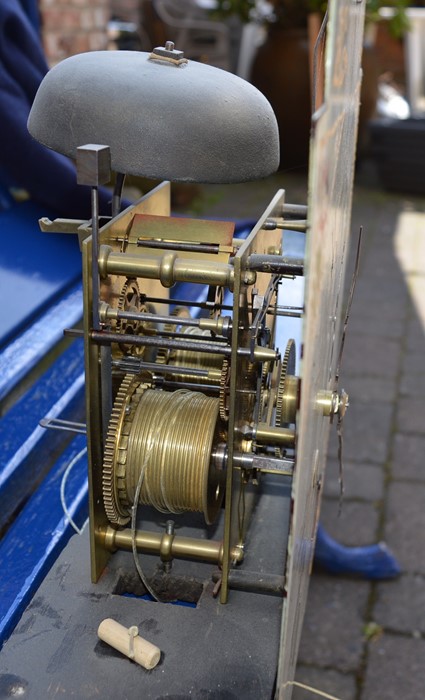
[374, 562]
[49, 177]
[31, 9]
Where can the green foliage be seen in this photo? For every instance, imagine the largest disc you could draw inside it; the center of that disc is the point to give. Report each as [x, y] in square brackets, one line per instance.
[372, 631]
[399, 23]
[293, 13]
[240, 8]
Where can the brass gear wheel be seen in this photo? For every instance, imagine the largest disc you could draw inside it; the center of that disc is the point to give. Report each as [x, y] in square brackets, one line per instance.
[193, 359]
[129, 300]
[285, 398]
[264, 392]
[163, 354]
[174, 433]
[224, 387]
[115, 448]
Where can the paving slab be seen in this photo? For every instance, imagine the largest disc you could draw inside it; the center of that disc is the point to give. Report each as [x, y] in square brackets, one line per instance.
[372, 354]
[384, 308]
[410, 241]
[395, 669]
[367, 389]
[381, 278]
[367, 429]
[408, 461]
[413, 385]
[400, 604]
[416, 286]
[415, 334]
[372, 324]
[414, 362]
[333, 627]
[361, 481]
[405, 525]
[410, 416]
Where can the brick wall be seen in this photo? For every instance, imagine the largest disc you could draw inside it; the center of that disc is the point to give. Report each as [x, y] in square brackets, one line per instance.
[73, 26]
[126, 10]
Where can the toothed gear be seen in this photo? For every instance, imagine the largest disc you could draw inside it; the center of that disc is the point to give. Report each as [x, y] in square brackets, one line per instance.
[264, 390]
[163, 354]
[287, 368]
[224, 385]
[115, 454]
[128, 300]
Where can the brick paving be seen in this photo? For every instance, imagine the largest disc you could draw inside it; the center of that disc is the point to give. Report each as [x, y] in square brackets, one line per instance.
[364, 640]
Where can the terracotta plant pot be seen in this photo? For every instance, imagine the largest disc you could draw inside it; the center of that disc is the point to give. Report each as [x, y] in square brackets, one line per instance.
[281, 72]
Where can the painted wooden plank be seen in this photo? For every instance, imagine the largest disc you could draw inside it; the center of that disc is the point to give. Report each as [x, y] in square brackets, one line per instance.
[27, 448]
[38, 535]
[21, 355]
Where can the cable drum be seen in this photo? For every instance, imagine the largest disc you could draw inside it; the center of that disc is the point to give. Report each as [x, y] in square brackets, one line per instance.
[169, 436]
[197, 360]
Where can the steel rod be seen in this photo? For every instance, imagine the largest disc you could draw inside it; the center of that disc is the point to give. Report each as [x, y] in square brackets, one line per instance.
[266, 464]
[276, 264]
[151, 318]
[209, 305]
[138, 366]
[220, 326]
[95, 256]
[253, 581]
[188, 385]
[295, 210]
[67, 425]
[288, 225]
[177, 245]
[105, 338]
[116, 197]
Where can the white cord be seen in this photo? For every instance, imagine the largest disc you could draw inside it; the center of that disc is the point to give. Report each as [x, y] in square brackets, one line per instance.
[312, 690]
[67, 471]
[135, 505]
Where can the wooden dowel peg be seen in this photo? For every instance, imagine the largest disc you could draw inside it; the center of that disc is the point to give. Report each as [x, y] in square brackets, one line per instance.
[127, 641]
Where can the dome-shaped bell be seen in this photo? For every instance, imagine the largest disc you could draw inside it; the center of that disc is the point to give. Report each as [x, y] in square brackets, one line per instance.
[188, 122]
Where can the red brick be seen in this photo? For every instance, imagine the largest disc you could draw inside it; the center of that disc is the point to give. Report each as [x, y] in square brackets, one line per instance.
[101, 18]
[86, 18]
[79, 43]
[73, 26]
[97, 41]
[127, 10]
[64, 18]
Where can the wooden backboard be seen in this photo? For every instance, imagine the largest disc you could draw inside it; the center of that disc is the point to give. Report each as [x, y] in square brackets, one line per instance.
[332, 156]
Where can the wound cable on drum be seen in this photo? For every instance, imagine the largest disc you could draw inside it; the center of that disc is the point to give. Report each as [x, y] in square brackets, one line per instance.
[177, 430]
[157, 418]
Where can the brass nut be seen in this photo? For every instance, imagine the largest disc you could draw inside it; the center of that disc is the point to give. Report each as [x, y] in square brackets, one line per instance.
[104, 253]
[326, 401]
